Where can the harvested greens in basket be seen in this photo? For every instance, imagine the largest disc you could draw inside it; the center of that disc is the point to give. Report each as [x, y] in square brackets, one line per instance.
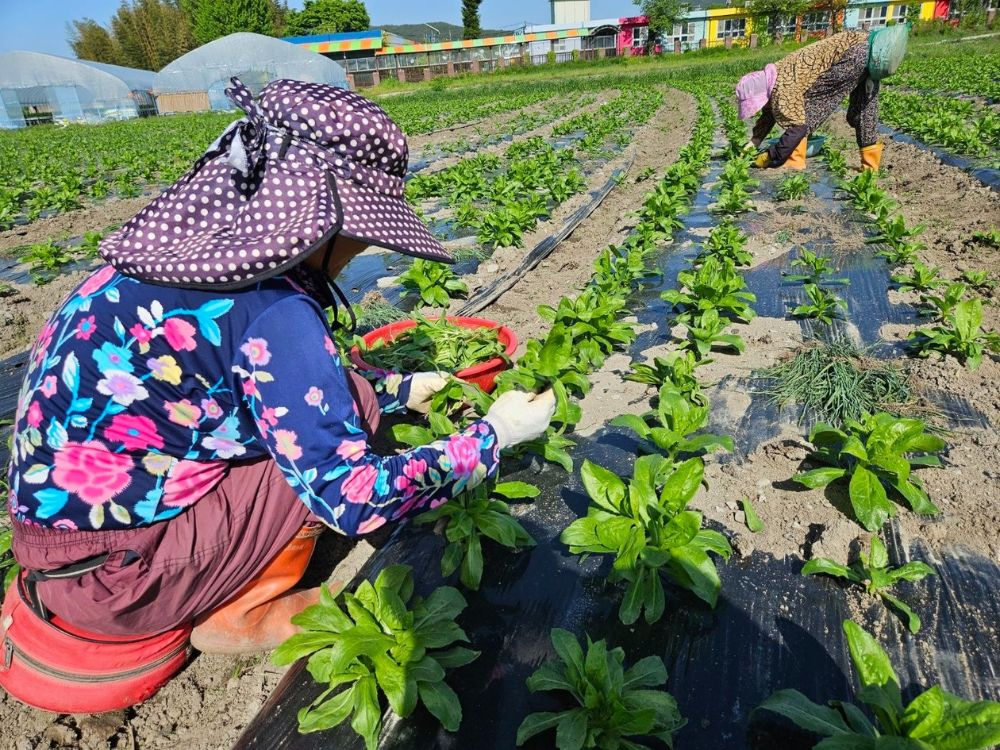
[435, 345]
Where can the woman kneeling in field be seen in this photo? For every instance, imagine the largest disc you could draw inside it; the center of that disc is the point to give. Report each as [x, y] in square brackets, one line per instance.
[186, 426]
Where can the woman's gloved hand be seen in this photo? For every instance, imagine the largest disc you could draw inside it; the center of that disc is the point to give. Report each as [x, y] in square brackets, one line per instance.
[762, 160]
[518, 417]
[423, 387]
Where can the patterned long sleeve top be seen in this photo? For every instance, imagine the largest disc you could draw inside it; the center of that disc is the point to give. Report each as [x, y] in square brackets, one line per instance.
[137, 398]
[809, 88]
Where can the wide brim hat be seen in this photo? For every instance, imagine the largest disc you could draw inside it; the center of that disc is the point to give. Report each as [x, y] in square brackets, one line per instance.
[309, 161]
[754, 90]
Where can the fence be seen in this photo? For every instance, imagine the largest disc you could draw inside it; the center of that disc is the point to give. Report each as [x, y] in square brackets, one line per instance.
[186, 101]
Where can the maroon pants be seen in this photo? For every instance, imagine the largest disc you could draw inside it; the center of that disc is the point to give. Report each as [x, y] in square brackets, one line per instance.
[161, 576]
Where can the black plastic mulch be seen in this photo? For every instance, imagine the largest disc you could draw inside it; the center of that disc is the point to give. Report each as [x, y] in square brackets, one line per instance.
[772, 628]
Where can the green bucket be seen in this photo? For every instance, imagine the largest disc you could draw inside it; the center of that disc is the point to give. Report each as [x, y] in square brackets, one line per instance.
[815, 144]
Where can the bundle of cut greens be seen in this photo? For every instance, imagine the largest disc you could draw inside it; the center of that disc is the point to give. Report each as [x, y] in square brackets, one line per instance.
[435, 345]
[837, 382]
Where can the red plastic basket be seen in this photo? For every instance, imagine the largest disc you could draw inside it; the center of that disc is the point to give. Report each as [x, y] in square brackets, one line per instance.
[484, 374]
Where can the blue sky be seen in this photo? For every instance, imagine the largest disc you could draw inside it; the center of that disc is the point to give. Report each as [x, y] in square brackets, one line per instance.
[40, 25]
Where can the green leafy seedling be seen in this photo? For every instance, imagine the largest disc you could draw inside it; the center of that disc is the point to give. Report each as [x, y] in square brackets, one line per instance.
[943, 305]
[753, 520]
[675, 370]
[875, 455]
[898, 237]
[960, 335]
[822, 306]
[794, 187]
[614, 703]
[875, 574]
[867, 196]
[726, 242]
[89, 246]
[934, 720]
[923, 278]
[646, 526]
[388, 642]
[671, 427]
[435, 284]
[979, 280]
[708, 331]
[835, 161]
[715, 284]
[8, 565]
[817, 268]
[989, 237]
[475, 514]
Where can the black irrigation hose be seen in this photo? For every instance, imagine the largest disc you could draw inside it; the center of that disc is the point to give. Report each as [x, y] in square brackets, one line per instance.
[490, 294]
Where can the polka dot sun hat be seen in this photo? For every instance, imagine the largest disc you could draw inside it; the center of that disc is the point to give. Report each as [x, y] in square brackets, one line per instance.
[307, 162]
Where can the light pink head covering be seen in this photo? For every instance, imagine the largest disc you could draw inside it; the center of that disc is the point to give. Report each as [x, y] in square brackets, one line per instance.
[754, 89]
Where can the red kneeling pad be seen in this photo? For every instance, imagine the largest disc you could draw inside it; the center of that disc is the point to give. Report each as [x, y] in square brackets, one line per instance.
[51, 665]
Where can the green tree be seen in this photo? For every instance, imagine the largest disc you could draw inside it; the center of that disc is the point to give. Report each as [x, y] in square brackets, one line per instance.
[470, 19]
[768, 15]
[151, 33]
[91, 41]
[211, 19]
[663, 16]
[836, 10]
[145, 34]
[328, 17]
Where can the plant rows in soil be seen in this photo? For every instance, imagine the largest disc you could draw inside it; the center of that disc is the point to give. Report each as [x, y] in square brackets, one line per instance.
[487, 135]
[502, 196]
[48, 170]
[643, 521]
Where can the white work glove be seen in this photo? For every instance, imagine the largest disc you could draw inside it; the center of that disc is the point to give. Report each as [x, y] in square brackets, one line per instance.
[518, 417]
[423, 387]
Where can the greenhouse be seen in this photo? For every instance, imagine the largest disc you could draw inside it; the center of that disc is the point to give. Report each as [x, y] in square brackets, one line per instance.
[197, 80]
[38, 88]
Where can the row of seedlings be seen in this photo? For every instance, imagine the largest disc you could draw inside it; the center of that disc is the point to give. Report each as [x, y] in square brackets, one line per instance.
[501, 197]
[874, 454]
[815, 271]
[645, 526]
[552, 111]
[956, 311]
[391, 643]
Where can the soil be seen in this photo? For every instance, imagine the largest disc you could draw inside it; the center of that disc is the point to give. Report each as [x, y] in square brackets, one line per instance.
[208, 705]
[544, 131]
[22, 313]
[570, 265]
[212, 700]
[418, 143]
[97, 216]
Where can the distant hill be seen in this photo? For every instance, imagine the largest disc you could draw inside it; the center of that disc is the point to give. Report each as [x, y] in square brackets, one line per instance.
[417, 32]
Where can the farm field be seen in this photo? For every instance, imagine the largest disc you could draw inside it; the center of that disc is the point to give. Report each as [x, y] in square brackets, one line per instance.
[778, 410]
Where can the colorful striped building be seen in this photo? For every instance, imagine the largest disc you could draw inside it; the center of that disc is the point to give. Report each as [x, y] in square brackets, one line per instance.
[369, 56]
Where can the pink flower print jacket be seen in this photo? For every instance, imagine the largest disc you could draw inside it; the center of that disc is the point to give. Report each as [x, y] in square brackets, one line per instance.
[137, 397]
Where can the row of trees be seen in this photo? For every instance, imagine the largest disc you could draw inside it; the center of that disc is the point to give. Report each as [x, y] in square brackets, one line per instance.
[149, 34]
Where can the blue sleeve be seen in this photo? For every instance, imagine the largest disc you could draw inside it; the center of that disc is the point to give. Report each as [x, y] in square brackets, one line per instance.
[392, 390]
[296, 390]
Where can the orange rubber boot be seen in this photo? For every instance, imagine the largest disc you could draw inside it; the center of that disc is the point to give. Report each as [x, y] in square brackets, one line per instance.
[871, 157]
[797, 159]
[257, 618]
